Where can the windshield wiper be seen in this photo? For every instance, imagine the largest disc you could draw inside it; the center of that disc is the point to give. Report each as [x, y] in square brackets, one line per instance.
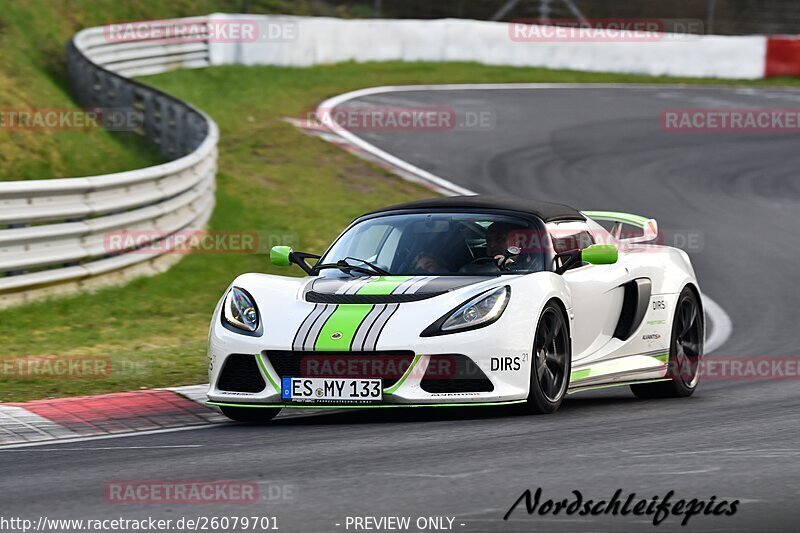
[347, 268]
[375, 268]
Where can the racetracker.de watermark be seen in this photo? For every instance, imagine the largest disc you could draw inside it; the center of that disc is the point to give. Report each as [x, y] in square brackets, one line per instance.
[198, 30]
[737, 368]
[196, 492]
[604, 30]
[56, 119]
[177, 524]
[157, 242]
[383, 366]
[436, 119]
[563, 240]
[56, 367]
[731, 120]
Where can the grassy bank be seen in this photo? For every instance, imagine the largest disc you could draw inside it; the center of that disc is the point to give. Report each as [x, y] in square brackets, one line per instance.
[33, 35]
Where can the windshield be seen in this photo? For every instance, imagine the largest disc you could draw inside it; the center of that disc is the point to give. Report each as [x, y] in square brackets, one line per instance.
[420, 244]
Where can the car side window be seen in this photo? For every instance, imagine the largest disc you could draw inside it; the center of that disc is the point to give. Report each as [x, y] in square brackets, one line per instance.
[568, 236]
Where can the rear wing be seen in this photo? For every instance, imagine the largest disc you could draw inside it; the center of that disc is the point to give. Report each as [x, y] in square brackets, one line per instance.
[649, 226]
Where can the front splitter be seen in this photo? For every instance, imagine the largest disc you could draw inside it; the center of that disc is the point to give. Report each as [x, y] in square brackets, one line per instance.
[367, 406]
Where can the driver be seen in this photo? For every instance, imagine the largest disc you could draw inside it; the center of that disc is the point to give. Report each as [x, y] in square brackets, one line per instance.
[498, 255]
[497, 243]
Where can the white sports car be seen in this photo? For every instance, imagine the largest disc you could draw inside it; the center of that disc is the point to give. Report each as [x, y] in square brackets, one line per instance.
[461, 301]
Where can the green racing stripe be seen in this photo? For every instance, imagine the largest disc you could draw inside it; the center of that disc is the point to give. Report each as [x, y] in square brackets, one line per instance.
[338, 331]
[383, 285]
[341, 327]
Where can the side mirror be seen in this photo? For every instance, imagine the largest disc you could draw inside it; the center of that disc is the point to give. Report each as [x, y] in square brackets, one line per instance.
[600, 254]
[284, 256]
[281, 256]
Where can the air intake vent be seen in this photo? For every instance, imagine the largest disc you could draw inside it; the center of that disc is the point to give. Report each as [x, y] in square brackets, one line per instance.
[454, 373]
[240, 373]
[634, 307]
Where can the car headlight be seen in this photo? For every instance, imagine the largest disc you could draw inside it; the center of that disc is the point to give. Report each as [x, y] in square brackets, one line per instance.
[240, 310]
[480, 311]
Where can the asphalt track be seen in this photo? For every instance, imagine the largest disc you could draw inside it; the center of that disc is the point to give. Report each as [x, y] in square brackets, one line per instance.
[594, 148]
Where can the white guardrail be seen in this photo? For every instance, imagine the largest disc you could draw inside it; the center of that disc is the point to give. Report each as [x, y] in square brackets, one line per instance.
[53, 233]
[307, 41]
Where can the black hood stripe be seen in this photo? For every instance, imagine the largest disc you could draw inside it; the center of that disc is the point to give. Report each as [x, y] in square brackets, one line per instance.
[361, 334]
[302, 332]
[313, 333]
[377, 329]
[415, 285]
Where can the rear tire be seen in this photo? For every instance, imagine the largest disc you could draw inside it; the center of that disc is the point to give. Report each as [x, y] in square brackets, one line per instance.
[251, 415]
[551, 360]
[685, 353]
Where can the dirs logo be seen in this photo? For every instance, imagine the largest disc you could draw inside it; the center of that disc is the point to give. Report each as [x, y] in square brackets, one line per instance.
[336, 335]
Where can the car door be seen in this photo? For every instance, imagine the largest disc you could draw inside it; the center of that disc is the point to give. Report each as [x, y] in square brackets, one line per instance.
[597, 290]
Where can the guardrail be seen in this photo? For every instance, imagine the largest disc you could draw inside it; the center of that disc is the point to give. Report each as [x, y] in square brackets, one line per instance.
[53, 232]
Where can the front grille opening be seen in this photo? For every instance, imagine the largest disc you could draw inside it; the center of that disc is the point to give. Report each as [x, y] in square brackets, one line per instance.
[240, 373]
[388, 366]
[454, 373]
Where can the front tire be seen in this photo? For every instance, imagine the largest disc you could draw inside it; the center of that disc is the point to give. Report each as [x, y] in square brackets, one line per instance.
[551, 361]
[685, 353]
[251, 415]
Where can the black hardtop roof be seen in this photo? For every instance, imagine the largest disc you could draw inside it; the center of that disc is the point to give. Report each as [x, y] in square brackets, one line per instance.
[547, 211]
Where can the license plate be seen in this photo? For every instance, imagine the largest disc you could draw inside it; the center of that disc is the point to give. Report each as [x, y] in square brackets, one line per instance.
[331, 390]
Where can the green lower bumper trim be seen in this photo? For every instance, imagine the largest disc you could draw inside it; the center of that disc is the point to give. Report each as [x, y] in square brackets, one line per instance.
[586, 388]
[266, 372]
[393, 388]
[352, 406]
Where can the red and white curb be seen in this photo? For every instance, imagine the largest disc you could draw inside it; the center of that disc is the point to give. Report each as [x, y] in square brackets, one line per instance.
[105, 414]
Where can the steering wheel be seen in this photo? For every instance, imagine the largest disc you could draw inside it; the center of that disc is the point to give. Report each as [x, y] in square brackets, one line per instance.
[483, 261]
[480, 265]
